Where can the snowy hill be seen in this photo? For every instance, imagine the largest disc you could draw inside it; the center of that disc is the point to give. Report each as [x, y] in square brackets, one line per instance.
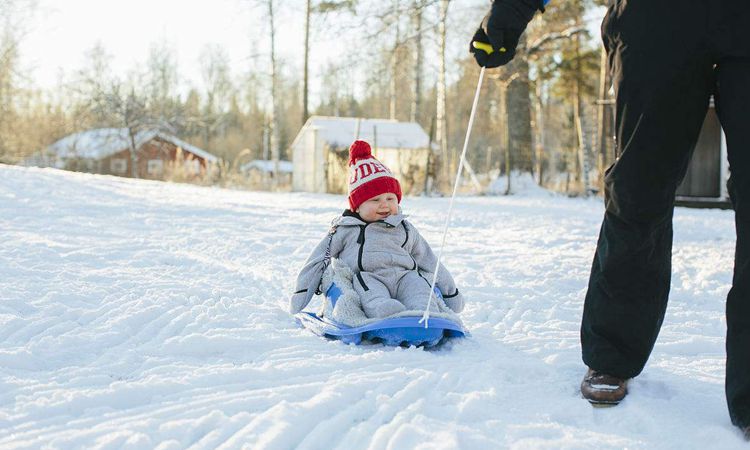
[138, 314]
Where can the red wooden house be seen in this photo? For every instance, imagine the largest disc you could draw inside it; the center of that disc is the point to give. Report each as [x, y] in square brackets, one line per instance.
[108, 151]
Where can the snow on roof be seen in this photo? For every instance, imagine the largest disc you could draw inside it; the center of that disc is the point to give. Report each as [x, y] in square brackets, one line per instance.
[342, 131]
[102, 142]
[267, 166]
[186, 146]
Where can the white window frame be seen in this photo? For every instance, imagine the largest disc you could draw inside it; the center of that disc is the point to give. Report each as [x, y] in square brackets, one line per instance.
[155, 167]
[192, 166]
[118, 165]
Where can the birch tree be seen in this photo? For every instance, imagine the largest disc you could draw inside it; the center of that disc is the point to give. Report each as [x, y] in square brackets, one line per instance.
[219, 89]
[394, 62]
[417, 11]
[161, 85]
[441, 126]
[273, 112]
[322, 8]
[306, 69]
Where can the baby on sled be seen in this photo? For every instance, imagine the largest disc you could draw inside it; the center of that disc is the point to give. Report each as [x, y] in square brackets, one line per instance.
[391, 263]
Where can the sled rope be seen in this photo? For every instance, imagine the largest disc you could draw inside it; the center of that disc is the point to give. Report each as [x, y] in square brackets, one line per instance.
[426, 315]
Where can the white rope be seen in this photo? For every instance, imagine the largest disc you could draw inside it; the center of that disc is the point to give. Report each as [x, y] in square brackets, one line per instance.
[426, 315]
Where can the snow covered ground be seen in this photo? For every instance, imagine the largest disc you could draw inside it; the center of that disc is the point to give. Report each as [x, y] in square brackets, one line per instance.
[138, 314]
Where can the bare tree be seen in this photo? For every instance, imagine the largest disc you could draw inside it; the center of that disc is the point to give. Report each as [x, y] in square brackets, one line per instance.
[14, 15]
[322, 7]
[161, 84]
[219, 89]
[394, 62]
[274, 119]
[124, 107]
[306, 70]
[416, 21]
[112, 102]
[441, 121]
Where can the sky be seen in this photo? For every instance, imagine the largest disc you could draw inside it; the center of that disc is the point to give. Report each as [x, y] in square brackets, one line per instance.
[62, 32]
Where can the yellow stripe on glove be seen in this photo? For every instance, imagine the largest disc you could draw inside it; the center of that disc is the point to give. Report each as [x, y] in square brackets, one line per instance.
[487, 48]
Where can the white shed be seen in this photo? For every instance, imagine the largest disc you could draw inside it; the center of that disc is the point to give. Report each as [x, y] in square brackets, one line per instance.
[260, 172]
[705, 182]
[320, 152]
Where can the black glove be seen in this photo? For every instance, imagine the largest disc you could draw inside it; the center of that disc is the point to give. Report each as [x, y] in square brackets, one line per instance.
[501, 28]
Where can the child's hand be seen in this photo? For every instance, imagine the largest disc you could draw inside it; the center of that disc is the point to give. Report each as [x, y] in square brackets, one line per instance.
[455, 303]
[298, 301]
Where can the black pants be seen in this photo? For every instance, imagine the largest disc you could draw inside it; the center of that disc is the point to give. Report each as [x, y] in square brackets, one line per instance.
[666, 59]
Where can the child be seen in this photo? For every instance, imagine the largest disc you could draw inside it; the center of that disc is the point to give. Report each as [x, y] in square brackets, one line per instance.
[391, 262]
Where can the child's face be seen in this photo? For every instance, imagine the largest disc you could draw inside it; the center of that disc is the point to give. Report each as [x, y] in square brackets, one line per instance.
[378, 207]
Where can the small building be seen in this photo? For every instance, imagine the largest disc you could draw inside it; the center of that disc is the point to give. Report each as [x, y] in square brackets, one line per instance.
[260, 172]
[320, 152]
[107, 151]
[705, 182]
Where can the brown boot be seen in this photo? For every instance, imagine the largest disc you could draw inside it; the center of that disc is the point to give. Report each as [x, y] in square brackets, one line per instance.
[603, 390]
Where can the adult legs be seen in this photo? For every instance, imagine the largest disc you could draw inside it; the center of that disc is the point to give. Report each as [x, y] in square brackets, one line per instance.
[733, 105]
[662, 96]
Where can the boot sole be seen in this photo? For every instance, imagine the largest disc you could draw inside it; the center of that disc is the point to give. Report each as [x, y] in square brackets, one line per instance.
[597, 404]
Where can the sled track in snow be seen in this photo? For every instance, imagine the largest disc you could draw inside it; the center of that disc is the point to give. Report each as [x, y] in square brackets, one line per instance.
[138, 314]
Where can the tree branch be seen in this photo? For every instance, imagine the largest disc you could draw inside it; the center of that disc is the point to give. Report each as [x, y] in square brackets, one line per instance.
[537, 46]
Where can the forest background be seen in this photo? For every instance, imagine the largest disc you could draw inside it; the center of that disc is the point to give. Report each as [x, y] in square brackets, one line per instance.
[548, 113]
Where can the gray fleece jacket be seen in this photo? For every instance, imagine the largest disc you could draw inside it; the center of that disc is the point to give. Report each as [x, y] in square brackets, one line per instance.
[391, 261]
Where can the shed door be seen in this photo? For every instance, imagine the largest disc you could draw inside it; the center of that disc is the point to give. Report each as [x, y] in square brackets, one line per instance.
[703, 178]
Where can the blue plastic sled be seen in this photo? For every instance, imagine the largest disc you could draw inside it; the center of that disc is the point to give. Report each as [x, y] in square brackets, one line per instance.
[393, 331]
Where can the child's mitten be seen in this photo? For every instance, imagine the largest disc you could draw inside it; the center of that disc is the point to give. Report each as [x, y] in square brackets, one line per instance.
[455, 302]
[298, 301]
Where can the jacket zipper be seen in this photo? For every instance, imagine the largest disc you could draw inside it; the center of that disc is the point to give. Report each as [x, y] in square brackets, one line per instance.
[361, 242]
[362, 282]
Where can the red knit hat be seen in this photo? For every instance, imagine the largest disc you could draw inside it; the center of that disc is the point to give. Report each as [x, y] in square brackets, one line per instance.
[368, 177]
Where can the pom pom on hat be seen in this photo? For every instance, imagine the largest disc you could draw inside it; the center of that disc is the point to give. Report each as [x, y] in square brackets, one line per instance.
[368, 177]
[359, 150]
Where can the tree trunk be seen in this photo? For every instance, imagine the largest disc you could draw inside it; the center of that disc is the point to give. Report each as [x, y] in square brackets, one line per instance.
[540, 134]
[519, 123]
[603, 119]
[133, 153]
[306, 74]
[441, 122]
[417, 76]
[504, 128]
[394, 64]
[274, 101]
[583, 162]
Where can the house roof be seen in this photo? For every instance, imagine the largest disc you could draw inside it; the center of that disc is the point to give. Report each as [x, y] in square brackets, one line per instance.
[267, 166]
[385, 133]
[102, 142]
